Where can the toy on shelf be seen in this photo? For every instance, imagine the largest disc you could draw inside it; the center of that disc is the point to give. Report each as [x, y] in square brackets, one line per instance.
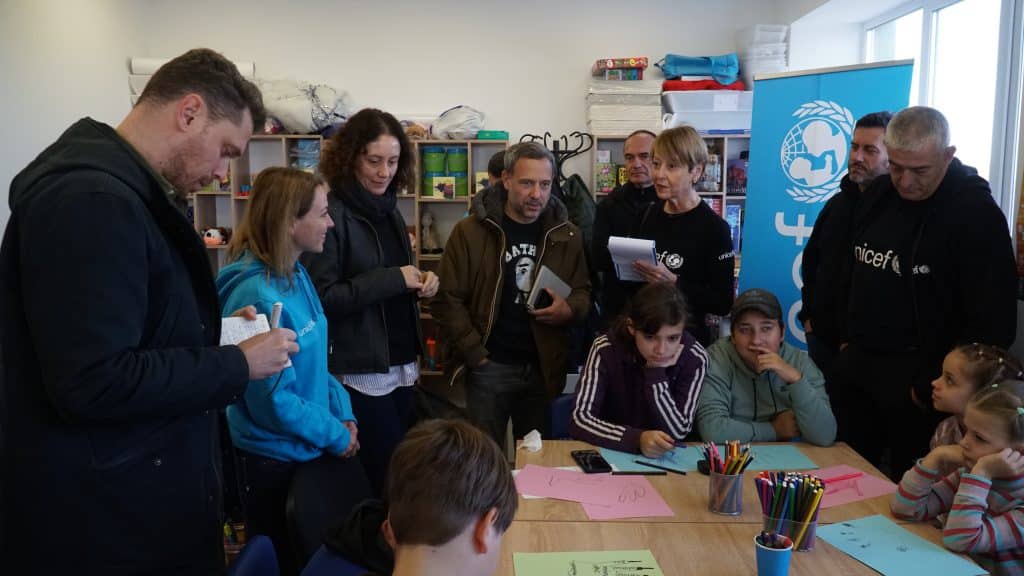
[216, 236]
[431, 240]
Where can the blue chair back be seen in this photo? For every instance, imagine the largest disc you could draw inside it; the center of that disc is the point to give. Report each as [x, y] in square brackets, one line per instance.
[256, 559]
[326, 562]
[561, 411]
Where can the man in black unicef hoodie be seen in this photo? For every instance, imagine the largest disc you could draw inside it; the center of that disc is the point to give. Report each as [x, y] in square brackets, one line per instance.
[932, 267]
[112, 370]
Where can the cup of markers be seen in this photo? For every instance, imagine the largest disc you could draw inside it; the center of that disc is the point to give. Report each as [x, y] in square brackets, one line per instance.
[773, 553]
[789, 505]
[725, 483]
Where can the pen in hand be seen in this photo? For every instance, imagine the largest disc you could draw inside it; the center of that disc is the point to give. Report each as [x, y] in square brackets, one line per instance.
[275, 315]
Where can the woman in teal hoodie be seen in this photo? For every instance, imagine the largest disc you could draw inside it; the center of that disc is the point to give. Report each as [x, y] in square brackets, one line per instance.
[302, 413]
[758, 388]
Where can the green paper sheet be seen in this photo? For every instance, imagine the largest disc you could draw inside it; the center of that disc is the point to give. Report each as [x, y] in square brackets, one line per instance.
[604, 562]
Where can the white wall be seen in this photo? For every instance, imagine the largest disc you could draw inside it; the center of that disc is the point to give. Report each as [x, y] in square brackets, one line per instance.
[60, 60]
[524, 63]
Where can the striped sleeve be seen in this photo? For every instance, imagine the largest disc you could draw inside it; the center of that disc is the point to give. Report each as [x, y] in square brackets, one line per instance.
[586, 423]
[675, 402]
[923, 494]
[973, 525]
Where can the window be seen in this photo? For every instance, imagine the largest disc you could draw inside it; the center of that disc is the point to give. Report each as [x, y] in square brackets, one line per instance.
[898, 39]
[967, 65]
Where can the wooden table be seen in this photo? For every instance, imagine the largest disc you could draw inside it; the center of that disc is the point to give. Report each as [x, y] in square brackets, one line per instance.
[680, 549]
[688, 495]
[694, 541]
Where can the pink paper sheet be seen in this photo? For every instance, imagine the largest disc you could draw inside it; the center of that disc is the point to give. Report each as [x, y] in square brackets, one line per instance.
[637, 499]
[853, 490]
[568, 485]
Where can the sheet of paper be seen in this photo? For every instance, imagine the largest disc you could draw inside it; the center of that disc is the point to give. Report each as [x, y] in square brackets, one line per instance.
[567, 485]
[637, 499]
[852, 489]
[532, 497]
[234, 329]
[604, 563]
[625, 251]
[673, 460]
[886, 547]
[766, 457]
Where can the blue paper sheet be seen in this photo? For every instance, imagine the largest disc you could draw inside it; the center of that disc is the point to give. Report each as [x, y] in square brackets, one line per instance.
[684, 459]
[886, 547]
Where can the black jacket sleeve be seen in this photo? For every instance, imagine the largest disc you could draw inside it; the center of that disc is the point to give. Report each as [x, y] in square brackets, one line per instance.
[599, 243]
[714, 293]
[811, 261]
[86, 261]
[987, 278]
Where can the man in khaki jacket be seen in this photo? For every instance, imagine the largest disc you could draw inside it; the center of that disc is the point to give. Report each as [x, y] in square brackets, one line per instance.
[512, 357]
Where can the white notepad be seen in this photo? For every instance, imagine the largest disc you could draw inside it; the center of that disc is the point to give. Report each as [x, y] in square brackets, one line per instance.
[625, 251]
[234, 329]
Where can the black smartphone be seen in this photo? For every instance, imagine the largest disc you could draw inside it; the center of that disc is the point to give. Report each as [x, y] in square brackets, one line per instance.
[543, 300]
[591, 461]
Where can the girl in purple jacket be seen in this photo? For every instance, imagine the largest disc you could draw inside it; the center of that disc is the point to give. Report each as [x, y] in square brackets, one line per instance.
[640, 384]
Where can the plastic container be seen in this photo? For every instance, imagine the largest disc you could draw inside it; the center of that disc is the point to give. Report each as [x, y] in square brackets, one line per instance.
[461, 182]
[708, 109]
[750, 67]
[764, 51]
[458, 159]
[428, 183]
[761, 34]
[433, 159]
[802, 533]
[725, 494]
[492, 135]
[773, 561]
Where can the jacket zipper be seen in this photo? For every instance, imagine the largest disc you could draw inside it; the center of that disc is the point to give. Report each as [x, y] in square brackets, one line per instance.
[497, 287]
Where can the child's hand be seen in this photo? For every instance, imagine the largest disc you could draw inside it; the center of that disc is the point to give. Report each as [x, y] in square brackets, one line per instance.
[1003, 464]
[943, 456]
[768, 360]
[654, 443]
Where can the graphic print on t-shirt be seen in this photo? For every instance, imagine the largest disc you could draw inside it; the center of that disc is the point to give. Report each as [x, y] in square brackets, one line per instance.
[524, 255]
[671, 260]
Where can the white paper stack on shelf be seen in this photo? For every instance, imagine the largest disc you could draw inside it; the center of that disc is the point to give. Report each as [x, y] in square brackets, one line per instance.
[762, 48]
[142, 69]
[616, 108]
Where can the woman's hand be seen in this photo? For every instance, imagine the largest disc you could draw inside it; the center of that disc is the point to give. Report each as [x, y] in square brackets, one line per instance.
[430, 283]
[651, 273]
[353, 443]
[413, 277]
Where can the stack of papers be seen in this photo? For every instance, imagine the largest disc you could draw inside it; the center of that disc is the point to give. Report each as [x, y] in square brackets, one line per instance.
[604, 496]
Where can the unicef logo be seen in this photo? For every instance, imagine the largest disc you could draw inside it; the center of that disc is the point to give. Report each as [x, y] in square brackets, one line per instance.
[814, 150]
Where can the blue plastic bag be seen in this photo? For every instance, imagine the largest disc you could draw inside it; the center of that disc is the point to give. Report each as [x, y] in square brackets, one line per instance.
[725, 69]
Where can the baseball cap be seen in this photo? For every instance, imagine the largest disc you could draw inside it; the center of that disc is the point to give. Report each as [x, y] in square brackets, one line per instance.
[757, 299]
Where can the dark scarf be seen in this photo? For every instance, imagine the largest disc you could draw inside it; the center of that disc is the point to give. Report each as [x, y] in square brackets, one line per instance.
[370, 205]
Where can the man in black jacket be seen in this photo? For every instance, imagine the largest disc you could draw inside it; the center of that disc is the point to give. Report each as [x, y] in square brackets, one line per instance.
[111, 324]
[932, 267]
[617, 215]
[826, 261]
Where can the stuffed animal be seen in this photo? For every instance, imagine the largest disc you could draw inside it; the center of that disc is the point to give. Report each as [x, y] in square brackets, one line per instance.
[217, 236]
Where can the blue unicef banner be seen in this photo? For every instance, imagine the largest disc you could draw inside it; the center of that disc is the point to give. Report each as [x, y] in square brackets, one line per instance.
[799, 144]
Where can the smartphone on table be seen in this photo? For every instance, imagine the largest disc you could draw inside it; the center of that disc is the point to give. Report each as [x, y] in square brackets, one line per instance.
[591, 461]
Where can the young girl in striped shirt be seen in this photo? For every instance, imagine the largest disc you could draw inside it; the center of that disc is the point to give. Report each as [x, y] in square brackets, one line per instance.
[984, 496]
[965, 370]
